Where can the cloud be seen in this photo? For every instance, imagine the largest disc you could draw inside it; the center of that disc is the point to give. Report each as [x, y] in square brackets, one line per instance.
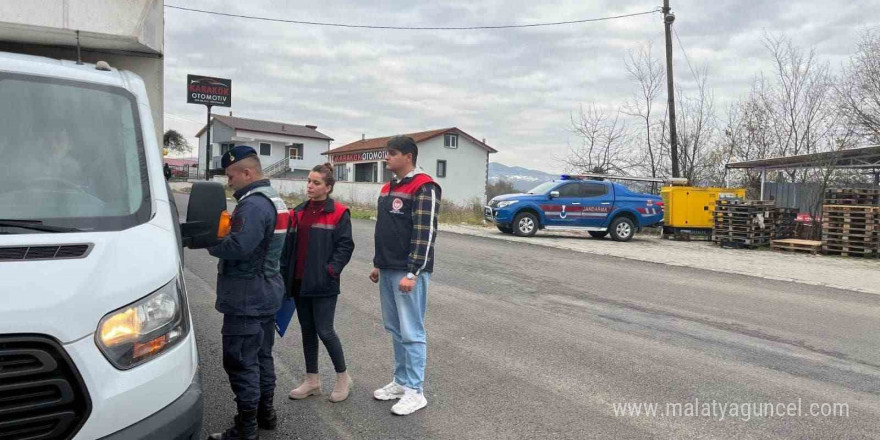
[514, 87]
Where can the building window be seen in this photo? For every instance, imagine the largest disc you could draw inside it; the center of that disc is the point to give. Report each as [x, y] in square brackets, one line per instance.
[265, 149]
[366, 172]
[441, 168]
[224, 148]
[339, 172]
[387, 175]
[450, 141]
[296, 151]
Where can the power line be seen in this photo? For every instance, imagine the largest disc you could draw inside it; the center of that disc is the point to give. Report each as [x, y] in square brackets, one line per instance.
[413, 28]
[681, 46]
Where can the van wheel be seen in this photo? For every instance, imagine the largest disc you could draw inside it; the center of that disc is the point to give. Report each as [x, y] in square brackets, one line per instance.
[505, 229]
[525, 224]
[598, 234]
[622, 229]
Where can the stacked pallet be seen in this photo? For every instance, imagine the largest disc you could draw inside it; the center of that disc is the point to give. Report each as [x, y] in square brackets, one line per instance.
[743, 223]
[853, 196]
[851, 222]
[784, 223]
[796, 245]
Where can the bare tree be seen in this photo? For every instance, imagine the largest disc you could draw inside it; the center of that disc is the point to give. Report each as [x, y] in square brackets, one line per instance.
[649, 75]
[799, 100]
[696, 129]
[748, 133]
[602, 146]
[859, 88]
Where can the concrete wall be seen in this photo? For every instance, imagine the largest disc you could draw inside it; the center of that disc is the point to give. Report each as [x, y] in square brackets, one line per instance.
[129, 35]
[135, 25]
[357, 193]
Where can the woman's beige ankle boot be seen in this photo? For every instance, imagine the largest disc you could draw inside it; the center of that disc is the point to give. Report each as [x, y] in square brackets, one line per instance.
[342, 387]
[310, 387]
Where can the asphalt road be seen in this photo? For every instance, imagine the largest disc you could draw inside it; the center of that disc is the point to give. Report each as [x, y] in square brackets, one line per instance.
[527, 341]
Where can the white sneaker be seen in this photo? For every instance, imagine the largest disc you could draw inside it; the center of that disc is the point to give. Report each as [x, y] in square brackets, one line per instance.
[389, 392]
[411, 402]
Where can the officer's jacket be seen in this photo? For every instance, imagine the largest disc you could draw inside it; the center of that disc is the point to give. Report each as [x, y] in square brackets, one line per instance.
[249, 282]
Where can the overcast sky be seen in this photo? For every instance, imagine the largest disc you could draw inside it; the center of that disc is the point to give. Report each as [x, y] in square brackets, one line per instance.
[516, 87]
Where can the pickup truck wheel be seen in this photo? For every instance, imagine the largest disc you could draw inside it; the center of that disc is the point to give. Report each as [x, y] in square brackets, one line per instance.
[622, 229]
[598, 234]
[525, 224]
[505, 229]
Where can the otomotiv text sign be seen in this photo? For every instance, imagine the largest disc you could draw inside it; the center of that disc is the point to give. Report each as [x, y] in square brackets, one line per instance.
[208, 91]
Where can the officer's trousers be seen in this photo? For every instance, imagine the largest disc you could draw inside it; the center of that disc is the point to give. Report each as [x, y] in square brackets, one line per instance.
[247, 358]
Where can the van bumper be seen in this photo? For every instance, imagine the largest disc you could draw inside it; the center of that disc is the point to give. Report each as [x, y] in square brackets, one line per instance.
[181, 420]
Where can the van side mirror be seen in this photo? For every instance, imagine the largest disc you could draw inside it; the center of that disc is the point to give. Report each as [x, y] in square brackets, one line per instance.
[207, 205]
[554, 194]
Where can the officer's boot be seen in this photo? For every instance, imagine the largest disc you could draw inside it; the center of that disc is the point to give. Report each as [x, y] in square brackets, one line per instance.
[245, 428]
[266, 416]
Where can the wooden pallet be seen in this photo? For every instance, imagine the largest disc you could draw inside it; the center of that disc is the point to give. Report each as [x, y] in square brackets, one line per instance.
[868, 201]
[849, 228]
[848, 208]
[849, 247]
[742, 244]
[848, 253]
[855, 237]
[795, 245]
[856, 191]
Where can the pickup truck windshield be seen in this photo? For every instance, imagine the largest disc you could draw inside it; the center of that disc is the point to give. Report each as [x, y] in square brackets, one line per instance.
[543, 188]
[73, 156]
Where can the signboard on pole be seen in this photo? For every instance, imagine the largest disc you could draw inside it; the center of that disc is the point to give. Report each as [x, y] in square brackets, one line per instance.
[209, 91]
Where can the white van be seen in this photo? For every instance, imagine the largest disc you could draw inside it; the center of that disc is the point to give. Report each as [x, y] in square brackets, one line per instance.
[96, 338]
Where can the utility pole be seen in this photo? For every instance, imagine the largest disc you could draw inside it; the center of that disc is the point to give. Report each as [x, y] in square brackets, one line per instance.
[208, 147]
[668, 18]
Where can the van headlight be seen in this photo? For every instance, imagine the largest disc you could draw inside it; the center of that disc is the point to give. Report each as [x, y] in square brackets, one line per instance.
[506, 203]
[150, 326]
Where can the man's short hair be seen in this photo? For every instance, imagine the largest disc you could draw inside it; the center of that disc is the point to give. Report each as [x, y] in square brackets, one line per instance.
[252, 162]
[405, 145]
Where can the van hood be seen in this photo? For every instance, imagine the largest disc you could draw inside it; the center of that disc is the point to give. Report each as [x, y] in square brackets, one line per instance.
[66, 299]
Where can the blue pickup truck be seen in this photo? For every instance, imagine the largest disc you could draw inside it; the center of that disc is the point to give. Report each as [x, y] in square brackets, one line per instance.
[597, 206]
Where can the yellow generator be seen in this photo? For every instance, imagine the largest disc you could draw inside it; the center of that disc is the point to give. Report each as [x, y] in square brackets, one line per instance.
[689, 211]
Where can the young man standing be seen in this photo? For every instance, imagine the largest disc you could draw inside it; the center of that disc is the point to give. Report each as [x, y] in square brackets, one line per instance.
[249, 292]
[406, 230]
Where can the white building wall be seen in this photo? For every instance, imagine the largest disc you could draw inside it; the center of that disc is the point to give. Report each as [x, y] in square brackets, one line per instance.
[312, 148]
[219, 133]
[466, 168]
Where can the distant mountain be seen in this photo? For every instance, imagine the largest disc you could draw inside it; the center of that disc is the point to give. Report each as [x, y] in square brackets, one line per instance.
[523, 179]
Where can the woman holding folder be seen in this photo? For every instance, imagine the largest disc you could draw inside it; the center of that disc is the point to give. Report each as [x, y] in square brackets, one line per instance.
[318, 247]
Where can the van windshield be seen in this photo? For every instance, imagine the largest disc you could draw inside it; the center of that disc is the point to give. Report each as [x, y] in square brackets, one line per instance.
[73, 156]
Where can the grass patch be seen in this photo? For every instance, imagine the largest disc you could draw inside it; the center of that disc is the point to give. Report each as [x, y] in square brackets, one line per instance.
[455, 214]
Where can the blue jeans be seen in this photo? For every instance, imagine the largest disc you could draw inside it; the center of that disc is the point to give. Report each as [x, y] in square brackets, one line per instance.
[404, 317]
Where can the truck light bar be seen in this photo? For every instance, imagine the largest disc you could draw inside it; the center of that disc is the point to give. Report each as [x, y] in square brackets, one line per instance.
[609, 177]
